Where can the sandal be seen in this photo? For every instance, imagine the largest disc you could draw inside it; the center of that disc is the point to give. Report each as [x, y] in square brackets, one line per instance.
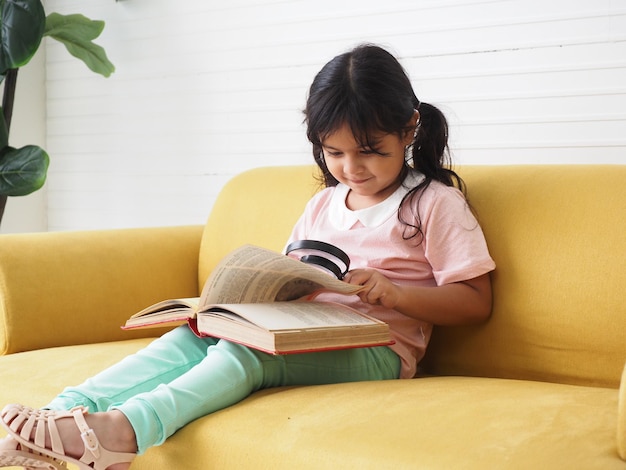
[95, 457]
[14, 454]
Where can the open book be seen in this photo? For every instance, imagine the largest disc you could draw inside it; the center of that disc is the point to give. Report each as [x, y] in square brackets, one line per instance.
[265, 300]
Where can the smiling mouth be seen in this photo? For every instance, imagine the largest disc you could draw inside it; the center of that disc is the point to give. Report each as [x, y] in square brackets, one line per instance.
[358, 181]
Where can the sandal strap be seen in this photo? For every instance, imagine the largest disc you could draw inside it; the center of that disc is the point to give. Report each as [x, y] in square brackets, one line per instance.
[95, 455]
[90, 440]
[39, 420]
[48, 420]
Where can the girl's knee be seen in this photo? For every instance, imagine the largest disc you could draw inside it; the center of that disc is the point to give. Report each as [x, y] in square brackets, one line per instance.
[238, 352]
[240, 360]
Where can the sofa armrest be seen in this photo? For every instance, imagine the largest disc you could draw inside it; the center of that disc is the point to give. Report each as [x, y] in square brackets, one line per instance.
[621, 417]
[64, 288]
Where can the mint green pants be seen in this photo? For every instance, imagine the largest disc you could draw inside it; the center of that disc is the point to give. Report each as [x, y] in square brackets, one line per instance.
[180, 377]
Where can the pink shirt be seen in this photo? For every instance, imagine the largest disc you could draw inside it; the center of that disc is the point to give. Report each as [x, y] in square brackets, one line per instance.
[453, 250]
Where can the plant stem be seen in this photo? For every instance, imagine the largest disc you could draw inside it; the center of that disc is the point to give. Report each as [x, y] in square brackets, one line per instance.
[10, 83]
[8, 98]
[3, 203]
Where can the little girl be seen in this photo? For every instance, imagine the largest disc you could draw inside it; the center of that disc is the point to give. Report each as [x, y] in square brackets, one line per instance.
[390, 202]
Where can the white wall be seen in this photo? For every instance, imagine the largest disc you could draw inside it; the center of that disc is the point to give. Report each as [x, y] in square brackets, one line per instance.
[205, 89]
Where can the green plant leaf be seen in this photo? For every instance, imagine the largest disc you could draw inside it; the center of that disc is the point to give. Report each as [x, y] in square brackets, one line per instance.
[76, 25]
[77, 32]
[21, 30]
[22, 171]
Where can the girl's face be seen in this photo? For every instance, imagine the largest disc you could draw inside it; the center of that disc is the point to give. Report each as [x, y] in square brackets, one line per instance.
[372, 174]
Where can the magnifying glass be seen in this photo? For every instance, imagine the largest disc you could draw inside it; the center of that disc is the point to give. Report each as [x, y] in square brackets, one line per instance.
[322, 254]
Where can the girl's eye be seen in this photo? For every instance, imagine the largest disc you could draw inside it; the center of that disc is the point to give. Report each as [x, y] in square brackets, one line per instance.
[370, 151]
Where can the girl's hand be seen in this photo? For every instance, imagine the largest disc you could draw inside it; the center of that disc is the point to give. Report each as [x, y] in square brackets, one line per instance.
[378, 290]
[457, 303]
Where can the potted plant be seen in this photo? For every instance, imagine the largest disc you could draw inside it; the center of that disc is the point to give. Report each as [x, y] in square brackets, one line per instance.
[23, 24]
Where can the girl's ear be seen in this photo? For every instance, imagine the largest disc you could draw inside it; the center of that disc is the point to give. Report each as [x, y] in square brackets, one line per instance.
[415, 119]
[411, 128]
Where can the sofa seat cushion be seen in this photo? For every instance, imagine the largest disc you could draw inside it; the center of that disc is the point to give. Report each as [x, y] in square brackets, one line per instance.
[435, 422]
[42, 374]
[428, 423]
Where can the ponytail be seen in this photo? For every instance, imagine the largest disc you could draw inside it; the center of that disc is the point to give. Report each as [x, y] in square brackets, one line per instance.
[431, 157]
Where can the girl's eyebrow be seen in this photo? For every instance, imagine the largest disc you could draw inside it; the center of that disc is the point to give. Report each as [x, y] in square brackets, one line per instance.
[371, 145]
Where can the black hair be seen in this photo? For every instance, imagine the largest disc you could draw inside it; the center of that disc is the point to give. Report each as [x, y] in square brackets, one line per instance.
[369, 90]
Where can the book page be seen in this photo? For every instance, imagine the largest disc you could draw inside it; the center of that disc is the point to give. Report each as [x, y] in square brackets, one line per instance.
[252, 274]
[189, 304]
[295, 315]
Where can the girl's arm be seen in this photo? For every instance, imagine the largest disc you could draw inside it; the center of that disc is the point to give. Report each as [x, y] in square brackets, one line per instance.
[457, 303]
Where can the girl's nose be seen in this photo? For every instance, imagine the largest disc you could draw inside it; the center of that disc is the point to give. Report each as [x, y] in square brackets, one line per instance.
[351, 163]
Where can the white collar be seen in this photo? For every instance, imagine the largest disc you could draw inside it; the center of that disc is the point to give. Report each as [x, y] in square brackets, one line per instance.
[343, 218]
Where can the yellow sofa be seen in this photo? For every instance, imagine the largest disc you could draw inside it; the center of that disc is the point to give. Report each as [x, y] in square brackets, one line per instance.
[536, 387]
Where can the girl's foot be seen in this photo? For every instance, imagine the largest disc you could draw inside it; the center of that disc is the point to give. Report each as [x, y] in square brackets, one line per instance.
[71, 436]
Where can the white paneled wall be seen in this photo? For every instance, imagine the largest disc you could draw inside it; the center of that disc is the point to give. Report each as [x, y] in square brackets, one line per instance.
[205, 89]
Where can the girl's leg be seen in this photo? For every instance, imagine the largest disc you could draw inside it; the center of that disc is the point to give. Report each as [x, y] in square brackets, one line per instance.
[166, 358]
[227, 374]
[230, 372]
[350, 365]
[202, 381]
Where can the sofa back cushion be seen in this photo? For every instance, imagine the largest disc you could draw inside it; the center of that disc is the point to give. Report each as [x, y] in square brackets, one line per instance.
[260, 207]
[558, 236]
